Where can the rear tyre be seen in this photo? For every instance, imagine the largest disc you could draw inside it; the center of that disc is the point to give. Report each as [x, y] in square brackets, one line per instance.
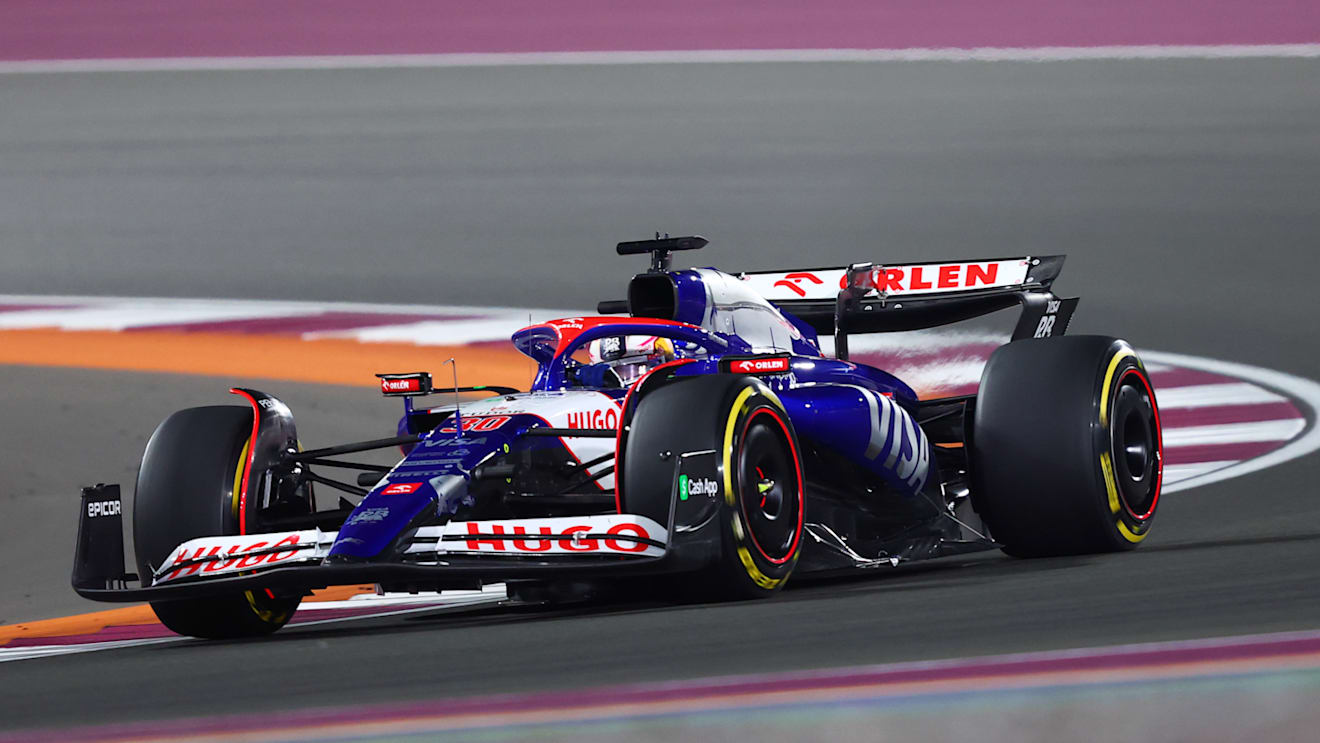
[187, 487]
[1066, 447]
[760, 474]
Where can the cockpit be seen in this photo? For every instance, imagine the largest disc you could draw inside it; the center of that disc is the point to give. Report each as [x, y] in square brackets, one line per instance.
[613, 353]
[618, 361]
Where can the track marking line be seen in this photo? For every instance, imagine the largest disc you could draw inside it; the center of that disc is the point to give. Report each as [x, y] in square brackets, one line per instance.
[138, 314]
[1178, 472]
[1299, 388]
[694, 56]
[1233, 433]
[47, 651]
[1206, 395]
[430, 332]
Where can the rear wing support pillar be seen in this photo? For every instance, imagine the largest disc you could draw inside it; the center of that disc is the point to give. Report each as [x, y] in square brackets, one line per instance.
[858, 282]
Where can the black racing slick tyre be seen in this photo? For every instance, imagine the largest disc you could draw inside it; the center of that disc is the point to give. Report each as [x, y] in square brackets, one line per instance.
[187, 487]
[1066, 447]
[759, 471]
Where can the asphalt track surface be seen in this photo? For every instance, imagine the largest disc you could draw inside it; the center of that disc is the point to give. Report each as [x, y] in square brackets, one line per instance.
[1183, 192]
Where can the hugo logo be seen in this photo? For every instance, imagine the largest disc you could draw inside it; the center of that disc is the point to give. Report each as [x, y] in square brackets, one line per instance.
[240, 559]
[495, 538]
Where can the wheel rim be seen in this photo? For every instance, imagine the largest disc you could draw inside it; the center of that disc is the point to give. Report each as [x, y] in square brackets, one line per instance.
[769, 488]
[1135, 444]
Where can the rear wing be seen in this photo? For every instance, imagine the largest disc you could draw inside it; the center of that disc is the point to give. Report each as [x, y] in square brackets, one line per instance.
[865, 298]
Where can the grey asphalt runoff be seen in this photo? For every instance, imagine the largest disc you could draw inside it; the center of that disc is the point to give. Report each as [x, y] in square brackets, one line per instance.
[1184, 192]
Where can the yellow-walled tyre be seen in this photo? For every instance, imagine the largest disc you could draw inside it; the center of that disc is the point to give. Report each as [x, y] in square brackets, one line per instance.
[759, 474]
[186, 487]
[1066, 448]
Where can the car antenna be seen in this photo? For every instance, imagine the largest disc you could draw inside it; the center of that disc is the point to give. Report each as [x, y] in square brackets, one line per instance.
[458, 417]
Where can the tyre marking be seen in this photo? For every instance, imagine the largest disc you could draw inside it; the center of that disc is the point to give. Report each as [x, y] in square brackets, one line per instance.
[268, 616]
[1107, 467]
[744, 556]
[1128, 534]
[1106, 462]
[1109, 378]
[238, 477]
[728, 442]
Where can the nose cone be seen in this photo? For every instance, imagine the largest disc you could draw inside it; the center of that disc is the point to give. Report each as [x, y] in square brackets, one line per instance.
[375, 529]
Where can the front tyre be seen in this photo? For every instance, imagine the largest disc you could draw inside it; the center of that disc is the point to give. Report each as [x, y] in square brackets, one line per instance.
[761, 500]
[187, 487]
[1067, 454]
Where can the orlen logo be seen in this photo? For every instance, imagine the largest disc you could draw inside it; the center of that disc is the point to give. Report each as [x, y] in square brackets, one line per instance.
[567, 323]
[608, 418]
[948, 276]
[412, 384]
[238, 561]
[103, 508]
[777, 365]
[791, 281]
[401, 488]
[489, 537]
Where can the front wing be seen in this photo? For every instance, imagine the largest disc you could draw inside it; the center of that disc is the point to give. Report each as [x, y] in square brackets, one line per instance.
[295, 560]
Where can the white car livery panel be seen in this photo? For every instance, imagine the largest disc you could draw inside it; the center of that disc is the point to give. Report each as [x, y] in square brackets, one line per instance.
[565, 409]
[621, 534]
[926, 278]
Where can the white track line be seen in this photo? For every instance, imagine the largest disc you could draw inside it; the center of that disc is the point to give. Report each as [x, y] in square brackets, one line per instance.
[1233, 433]
[280, 307]
[45, 651]
[491, 595]
[437, 332]
[1304, 390]
[1212, 395]
[138, 315]
[1179, 472]
[696, 56]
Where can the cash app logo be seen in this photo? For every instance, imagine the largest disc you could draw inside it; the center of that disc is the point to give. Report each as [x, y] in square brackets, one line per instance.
[682, 487]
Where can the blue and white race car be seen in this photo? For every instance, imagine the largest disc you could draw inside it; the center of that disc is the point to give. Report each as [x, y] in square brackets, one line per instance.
[694, 431]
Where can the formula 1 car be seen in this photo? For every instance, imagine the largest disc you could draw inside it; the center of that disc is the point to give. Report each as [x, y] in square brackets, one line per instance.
[704, 437]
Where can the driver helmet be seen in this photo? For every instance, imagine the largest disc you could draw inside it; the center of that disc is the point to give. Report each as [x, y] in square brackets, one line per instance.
[631, 356]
